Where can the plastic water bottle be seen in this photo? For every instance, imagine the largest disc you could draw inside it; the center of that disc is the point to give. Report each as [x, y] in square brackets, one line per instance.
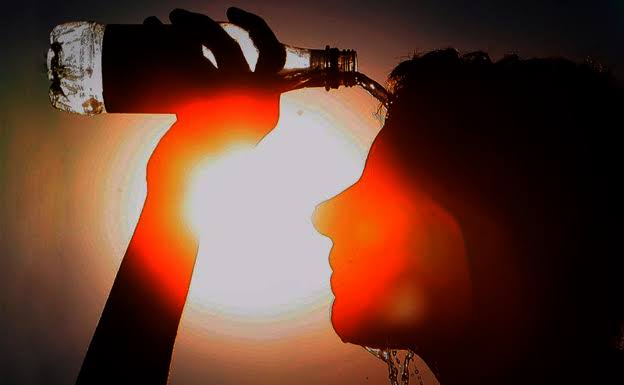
[96, 68]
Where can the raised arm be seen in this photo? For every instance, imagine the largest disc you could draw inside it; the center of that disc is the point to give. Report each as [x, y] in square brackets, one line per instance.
[133, 342]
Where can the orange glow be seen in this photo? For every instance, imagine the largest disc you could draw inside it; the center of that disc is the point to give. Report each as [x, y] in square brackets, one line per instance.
[163, 240]
[260, 258]
[398, 258]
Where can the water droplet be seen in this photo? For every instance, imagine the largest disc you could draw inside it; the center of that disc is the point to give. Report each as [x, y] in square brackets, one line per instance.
[398, 369]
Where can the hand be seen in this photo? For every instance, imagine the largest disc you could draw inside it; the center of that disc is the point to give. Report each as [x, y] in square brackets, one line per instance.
[238, 105]
[231, 70]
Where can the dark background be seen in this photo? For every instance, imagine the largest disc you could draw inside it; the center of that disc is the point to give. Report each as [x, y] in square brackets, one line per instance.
[57, 254]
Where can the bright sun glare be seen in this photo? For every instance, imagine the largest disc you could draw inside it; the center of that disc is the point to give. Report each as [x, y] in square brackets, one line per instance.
[260, 256]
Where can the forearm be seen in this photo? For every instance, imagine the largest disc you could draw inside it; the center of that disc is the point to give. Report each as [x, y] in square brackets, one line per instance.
[134, 339]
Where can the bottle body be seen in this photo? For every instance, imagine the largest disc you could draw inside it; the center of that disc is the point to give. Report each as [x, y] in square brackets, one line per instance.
[97, 68]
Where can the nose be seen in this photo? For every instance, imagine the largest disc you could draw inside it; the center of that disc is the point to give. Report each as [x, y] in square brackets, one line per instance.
[323, 221]
[331, 216]
[320, 219]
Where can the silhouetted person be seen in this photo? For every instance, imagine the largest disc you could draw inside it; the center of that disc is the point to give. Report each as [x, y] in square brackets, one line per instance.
[134, 339]
[485, 230]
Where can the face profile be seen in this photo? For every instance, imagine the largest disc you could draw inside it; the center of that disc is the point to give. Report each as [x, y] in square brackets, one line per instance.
[484, 235]
[398, 259]
[481, 234]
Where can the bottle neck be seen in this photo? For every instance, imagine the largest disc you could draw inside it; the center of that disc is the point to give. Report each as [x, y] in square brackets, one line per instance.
[335, 63]
[329, 68]
[333, 59]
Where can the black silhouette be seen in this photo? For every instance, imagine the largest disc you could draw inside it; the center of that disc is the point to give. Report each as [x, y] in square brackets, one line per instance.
[134, 339]
[527, 147]
[523, 153]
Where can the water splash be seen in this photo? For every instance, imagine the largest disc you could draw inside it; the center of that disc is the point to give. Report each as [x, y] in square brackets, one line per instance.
[398, 371]
[373, 88]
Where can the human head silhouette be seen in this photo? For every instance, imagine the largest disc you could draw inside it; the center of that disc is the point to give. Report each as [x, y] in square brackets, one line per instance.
[484, 230]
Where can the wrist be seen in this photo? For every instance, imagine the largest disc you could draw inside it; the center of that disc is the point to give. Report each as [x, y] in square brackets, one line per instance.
[230, 115]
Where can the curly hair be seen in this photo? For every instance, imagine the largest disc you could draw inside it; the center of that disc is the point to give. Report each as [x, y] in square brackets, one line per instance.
[450, 62]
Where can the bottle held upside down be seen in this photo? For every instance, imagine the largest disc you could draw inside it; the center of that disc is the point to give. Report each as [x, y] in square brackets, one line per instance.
[96, 68]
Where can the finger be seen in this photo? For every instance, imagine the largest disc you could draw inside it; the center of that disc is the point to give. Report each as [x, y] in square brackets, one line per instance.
[152, 20]
[228, 53]
[272, 54]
